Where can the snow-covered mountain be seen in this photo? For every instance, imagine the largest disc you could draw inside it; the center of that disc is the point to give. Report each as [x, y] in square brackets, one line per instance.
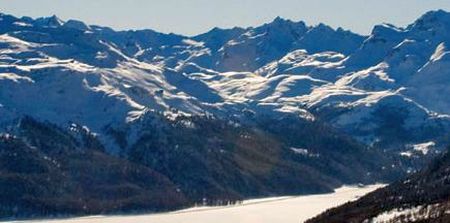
[388, 89]
[330, 93]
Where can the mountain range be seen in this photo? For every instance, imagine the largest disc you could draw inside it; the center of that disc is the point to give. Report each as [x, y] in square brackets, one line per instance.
[279, 109]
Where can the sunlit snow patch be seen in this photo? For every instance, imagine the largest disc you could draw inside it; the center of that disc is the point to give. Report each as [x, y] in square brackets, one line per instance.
[304, 152]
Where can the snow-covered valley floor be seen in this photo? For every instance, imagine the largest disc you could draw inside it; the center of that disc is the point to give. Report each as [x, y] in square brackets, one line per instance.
[270, 210]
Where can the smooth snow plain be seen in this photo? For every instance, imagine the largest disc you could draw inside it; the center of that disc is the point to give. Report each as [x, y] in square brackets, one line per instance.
[269, 210]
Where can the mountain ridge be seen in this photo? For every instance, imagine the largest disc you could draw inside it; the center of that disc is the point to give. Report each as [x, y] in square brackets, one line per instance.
[240, 101]
[173, 65]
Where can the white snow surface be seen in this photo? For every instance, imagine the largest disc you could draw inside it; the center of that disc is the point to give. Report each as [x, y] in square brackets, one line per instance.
[268, 210]
[410, 214]
[424, 148]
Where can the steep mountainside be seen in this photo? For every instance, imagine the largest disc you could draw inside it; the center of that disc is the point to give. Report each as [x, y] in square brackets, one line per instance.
[46, 170]
[422, 197]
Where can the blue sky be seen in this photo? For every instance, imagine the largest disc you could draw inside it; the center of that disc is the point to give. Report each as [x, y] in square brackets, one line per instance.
[191, 17]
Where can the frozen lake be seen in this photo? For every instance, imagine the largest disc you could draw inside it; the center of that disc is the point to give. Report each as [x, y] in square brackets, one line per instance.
[270, 210]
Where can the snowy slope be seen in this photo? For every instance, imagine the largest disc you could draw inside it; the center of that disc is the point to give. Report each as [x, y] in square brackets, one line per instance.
[261, 45]
[357, 84]
[42, 85]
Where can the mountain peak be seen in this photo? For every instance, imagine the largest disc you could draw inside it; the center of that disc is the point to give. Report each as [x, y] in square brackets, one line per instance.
[277, 22]
[279, 19]
[52, 21]
[280, 23]
[435, 14]
[386, 30]
[75, 24]
[219, 30]
[323, 27]
[432, 19]
[4, 16]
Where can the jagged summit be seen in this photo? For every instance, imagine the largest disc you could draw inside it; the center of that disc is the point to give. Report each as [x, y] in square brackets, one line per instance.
[437, 16]
[52, 21]
[280, 21]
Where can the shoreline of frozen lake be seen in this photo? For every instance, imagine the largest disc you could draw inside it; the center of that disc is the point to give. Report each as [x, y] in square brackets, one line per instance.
[266, 210]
